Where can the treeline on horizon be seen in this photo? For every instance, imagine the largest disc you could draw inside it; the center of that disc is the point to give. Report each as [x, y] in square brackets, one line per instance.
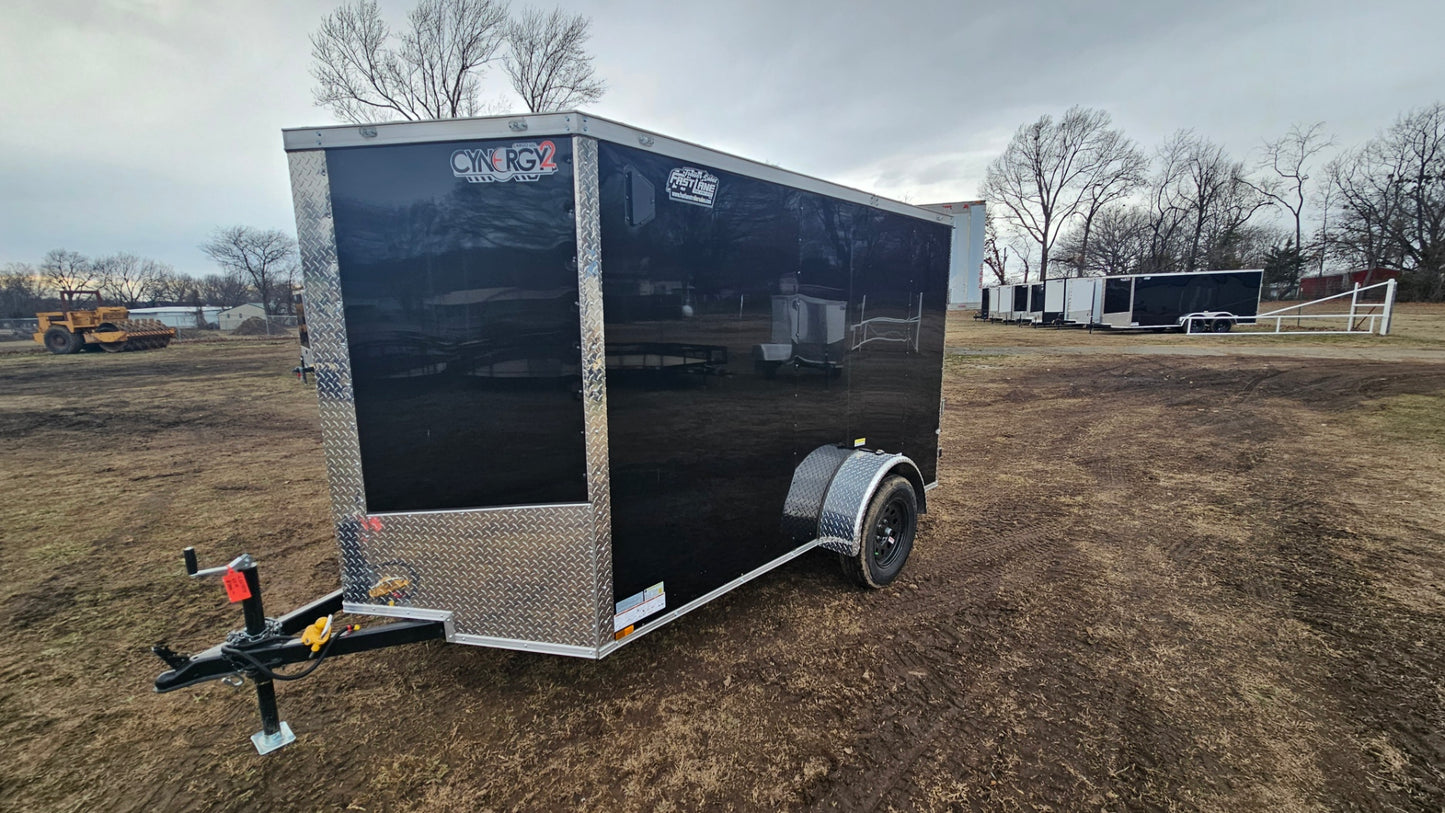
[254, 265]
[1073, 196]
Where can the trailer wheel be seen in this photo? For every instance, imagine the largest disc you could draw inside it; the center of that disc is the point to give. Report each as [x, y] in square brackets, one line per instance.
[888, 530]
[61, 342]
[1222, 325]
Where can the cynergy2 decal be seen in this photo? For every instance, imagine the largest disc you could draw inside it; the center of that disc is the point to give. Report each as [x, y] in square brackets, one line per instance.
[522, 161]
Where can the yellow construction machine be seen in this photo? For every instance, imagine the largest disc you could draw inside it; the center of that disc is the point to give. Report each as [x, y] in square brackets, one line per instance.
[109, 327]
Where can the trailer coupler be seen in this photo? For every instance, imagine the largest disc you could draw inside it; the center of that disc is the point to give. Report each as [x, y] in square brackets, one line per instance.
[304, 635]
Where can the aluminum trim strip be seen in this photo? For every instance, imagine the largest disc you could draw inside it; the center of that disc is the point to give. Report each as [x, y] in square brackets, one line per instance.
[663, 620]
[408, 613]
[576, 122]
[588, 203]
[416, 132]
[488, 509]
[326, 325]
[527, 646]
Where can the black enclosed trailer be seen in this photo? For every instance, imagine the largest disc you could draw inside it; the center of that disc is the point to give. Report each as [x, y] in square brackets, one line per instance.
[1199, 300]
[576, 379]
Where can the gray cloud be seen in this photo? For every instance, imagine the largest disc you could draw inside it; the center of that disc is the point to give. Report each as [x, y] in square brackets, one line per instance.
[140, 125]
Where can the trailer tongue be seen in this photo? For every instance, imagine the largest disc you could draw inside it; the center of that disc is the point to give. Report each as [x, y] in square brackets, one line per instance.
[576, 380]
[259, 650]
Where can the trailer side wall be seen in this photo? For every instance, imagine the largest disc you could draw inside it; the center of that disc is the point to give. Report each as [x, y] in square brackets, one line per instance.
[1160, 299]
[720, 274]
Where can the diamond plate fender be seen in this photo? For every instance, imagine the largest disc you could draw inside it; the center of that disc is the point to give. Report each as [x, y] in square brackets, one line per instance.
[840, 522]
[810, 486]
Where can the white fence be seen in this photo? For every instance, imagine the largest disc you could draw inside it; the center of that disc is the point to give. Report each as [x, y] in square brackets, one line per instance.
[1362, 317]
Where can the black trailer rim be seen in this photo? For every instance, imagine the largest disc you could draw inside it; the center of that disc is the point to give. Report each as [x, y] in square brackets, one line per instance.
[894, 521]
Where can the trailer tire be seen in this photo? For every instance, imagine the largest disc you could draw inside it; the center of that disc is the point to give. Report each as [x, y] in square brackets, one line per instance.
[1222, 325]
[889, 526]
[62, 342]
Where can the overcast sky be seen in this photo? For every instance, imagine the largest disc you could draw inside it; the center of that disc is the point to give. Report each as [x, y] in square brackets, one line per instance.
[141, 125]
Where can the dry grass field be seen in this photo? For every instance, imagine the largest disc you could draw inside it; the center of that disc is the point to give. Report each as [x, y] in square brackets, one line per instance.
[1146, 582]
[1414, 326]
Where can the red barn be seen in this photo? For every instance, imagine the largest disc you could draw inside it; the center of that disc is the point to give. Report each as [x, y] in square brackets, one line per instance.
[1330, 284]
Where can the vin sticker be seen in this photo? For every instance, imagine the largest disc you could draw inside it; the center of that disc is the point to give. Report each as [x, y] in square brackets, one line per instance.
[635, 608]
[692, 185]
[523, 161]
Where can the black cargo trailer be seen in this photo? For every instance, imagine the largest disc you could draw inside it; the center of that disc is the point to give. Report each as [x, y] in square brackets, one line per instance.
[576, 379]
[1199, 300]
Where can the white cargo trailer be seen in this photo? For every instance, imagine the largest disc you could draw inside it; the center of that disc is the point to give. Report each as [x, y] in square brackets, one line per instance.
[1083, 300]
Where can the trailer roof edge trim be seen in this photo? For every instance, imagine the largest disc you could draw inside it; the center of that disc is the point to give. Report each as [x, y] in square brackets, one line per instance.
[299, 139]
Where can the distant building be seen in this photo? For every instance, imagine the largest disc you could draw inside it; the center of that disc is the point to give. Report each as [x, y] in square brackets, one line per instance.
[965, 274]
[1331, 284]
[231, 318]
[178, 316]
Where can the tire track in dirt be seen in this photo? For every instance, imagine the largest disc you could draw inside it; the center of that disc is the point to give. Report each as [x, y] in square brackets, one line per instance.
[1145, 769]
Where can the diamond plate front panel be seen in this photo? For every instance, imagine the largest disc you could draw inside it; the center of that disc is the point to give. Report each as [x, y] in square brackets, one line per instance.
[535, 573]
[518, 573]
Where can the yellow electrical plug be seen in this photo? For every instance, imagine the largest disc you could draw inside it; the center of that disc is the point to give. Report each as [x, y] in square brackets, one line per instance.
[317, 634]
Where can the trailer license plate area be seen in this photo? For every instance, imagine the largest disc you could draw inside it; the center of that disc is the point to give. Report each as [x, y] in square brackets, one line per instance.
[634, 608]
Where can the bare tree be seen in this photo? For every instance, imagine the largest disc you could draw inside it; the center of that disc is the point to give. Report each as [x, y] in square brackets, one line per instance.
[547, 62]
[1390, 209]
[1287, 159]
[21, 292]
[1203, 201]
[1123, 171]
[66, 270]
[128, 279]
[169, 287]
[995, 258]
[1050, 171]
[1118, 242]
[265, 257]
[227, 289]
[432, 72]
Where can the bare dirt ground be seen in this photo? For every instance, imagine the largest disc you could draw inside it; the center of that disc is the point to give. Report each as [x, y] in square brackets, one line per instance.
[1145, 583]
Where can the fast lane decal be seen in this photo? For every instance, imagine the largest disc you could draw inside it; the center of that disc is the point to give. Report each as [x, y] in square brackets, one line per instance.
[522, 161]
[692, 185]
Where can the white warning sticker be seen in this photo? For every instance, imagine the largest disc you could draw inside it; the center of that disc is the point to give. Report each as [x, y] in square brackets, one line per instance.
[635, 608]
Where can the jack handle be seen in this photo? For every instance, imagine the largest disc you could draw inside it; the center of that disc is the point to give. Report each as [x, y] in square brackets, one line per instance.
[239, 563]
